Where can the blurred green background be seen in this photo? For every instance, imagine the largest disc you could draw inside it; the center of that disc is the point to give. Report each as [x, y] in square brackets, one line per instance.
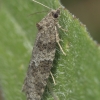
[88, 12]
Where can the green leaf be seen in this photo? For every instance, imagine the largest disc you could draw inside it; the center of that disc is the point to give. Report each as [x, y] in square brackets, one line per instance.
[77, 74]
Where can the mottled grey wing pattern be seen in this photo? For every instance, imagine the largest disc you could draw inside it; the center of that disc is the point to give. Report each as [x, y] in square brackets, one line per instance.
[42, 58]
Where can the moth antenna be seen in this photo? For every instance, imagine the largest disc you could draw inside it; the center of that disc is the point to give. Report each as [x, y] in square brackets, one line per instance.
[37, 13]
[42, 4]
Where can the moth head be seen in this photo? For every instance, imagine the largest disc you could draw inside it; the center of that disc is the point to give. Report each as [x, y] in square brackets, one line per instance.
[55, 13]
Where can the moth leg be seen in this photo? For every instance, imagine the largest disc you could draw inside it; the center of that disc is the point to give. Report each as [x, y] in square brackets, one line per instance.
[49, 86]
[57, 40]
[61, 28]
[53, 78]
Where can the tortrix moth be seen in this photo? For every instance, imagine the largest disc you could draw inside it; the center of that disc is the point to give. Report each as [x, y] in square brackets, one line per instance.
[42, 56]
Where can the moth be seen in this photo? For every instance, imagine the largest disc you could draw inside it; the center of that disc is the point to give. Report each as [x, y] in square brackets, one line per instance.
[43, 54]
